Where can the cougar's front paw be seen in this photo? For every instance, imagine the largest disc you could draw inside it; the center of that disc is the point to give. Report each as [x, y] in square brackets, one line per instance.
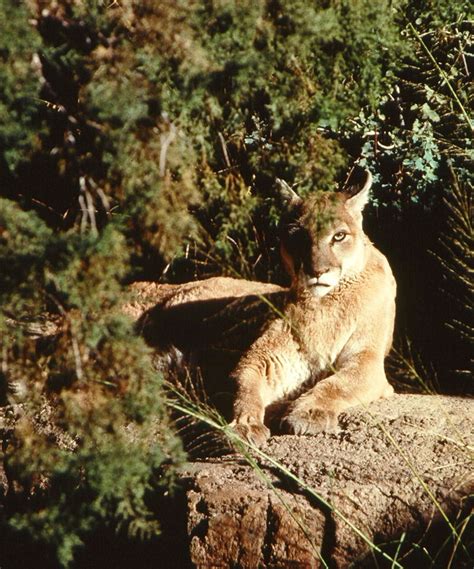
[309, 421]
[251, 430]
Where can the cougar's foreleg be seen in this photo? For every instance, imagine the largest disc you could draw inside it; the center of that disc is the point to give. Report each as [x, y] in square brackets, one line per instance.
[272, 368]
[249, 406]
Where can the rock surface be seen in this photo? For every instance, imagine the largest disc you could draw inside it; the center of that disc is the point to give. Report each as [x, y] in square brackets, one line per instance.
[400, 465]
[394, 470]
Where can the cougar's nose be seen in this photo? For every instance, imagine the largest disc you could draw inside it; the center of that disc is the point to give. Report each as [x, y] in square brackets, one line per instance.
[319, 273]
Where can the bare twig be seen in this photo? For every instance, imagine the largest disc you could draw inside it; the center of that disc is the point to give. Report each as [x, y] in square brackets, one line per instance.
[224, 150]
[166, 140]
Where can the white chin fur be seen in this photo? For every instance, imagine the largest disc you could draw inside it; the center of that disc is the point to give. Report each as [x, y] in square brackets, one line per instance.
[323, 287]
[320, 291]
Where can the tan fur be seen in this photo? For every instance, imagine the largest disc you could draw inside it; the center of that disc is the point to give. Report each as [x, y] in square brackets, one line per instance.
[326, 352]
[145, 295]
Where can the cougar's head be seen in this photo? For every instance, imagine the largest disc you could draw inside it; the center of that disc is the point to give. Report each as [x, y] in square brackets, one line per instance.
[321, 237]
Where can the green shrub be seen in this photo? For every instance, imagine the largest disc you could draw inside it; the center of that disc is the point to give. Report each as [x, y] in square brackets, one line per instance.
[91, 444]
[20, 127]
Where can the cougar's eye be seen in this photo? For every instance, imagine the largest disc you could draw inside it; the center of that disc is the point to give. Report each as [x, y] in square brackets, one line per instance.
[339, 236]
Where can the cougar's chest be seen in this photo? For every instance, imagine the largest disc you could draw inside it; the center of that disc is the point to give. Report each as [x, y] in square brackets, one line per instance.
[324, 329]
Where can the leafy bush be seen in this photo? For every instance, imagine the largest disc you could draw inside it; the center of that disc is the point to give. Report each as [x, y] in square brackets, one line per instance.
[19, 77]
[156, 107]
[81, 395]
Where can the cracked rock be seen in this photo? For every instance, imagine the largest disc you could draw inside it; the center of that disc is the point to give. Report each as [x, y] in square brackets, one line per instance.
[390, 470]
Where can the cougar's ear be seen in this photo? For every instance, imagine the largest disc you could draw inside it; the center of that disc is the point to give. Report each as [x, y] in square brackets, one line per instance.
[288, 196]
[359, 192]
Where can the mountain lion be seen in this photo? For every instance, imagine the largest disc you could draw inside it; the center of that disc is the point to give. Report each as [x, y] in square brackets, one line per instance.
[323, 349]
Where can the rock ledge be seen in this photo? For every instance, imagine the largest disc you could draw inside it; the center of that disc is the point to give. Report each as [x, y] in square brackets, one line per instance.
[378, 472]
